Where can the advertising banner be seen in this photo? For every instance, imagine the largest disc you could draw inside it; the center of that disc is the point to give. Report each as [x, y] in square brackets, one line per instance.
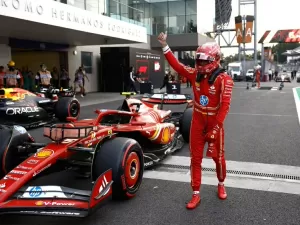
[248, 29]
[239, 29]
[150, 64]
[286, 36]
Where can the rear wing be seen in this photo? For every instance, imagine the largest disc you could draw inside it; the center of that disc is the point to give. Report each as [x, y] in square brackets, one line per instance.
[63, 92]
[58, 200]
[167, 98]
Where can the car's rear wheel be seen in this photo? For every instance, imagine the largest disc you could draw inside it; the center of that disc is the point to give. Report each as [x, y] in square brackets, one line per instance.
[185, 124]
[67, 107]
[125, 157]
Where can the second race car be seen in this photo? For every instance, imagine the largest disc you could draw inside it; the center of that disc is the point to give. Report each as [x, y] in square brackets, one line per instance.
[283, 76]
[21, 107]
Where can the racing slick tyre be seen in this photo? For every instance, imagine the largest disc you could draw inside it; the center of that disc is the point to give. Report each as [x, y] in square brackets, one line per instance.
[125, 157]
[185, 124]
[67, 107]
[11, 137]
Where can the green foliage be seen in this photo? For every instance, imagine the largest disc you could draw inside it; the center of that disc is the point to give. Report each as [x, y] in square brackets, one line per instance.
[235, 58]
[280, 48]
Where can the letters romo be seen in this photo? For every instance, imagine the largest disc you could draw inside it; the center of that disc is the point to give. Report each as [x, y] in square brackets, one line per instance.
[21, 110]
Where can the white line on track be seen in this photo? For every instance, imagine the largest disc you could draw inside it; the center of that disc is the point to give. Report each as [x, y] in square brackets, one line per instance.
[297, 102]
[233, 180]
[257, 114]
[240, 166]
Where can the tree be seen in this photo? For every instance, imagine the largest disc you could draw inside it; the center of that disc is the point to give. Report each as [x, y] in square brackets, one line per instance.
[280, 48]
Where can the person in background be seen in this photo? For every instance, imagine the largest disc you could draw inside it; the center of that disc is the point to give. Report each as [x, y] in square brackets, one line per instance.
[131, 81]
[55, 77]
[2, 75]
[43, 77]
[12, 76]
[79, 79]
[31, 80]
[275, 75]
[257, 75]
[25, 77]
[166, 79]
[270, 74]
[64, 78]
[138, 77]
[83, 71]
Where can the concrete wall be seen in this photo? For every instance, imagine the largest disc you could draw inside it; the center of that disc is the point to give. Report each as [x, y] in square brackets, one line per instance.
[140, 45]
[183, 42]
[5, 51]
[75, 61]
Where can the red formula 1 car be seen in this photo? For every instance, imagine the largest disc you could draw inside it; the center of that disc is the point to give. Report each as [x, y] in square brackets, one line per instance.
[109, 152]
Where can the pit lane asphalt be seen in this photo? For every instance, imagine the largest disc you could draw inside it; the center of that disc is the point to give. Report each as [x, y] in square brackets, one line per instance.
[262, 127]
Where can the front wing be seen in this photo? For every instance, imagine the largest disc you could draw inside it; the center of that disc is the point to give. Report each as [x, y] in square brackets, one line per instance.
[167, 98]
[59, 201]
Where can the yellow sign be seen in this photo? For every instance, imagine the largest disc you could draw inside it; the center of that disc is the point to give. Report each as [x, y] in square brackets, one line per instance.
[109, 132]
[166, 135]
[45, 153]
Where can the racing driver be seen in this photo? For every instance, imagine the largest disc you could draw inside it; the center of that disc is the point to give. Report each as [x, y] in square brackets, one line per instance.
[212, 89]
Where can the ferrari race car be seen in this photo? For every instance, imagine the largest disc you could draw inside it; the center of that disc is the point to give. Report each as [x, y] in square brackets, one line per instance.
[167, 131]
[109, 151]
[114, 166]
[19, 106]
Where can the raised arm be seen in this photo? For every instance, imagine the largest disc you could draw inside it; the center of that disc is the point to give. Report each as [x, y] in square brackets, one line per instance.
[183, 70]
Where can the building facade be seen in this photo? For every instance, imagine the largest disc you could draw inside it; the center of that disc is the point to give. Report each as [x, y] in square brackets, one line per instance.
[69, 33]
[62, 34]
[185, 21]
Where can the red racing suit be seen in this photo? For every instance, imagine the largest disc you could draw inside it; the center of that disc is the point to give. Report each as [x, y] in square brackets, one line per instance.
[211, 106]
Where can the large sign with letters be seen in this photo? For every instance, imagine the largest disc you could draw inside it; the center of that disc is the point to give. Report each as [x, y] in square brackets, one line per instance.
[70, 17]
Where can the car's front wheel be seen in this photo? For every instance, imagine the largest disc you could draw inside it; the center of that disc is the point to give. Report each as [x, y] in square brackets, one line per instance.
[125, 157]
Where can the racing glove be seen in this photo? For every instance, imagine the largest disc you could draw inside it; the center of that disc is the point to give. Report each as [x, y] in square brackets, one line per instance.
[211, 135]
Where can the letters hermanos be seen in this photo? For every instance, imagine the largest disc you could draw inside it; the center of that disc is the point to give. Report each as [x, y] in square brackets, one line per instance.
[21, 110]
[51, 11]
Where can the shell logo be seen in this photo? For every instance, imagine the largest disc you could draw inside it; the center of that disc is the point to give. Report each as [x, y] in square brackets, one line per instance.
[45, 153]
[166, 135]
[39, 203]
[197, 84]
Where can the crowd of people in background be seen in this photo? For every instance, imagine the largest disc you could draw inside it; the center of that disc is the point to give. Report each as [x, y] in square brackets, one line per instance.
[30, 80]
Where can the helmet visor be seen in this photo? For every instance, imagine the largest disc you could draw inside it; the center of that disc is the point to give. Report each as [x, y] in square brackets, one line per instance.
[202, 59]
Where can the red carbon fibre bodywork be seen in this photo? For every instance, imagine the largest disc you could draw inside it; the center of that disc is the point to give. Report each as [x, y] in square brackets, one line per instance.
[149, 121]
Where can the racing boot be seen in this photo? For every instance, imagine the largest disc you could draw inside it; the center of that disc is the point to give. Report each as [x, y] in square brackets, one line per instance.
[194, 202]
[222, 192]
